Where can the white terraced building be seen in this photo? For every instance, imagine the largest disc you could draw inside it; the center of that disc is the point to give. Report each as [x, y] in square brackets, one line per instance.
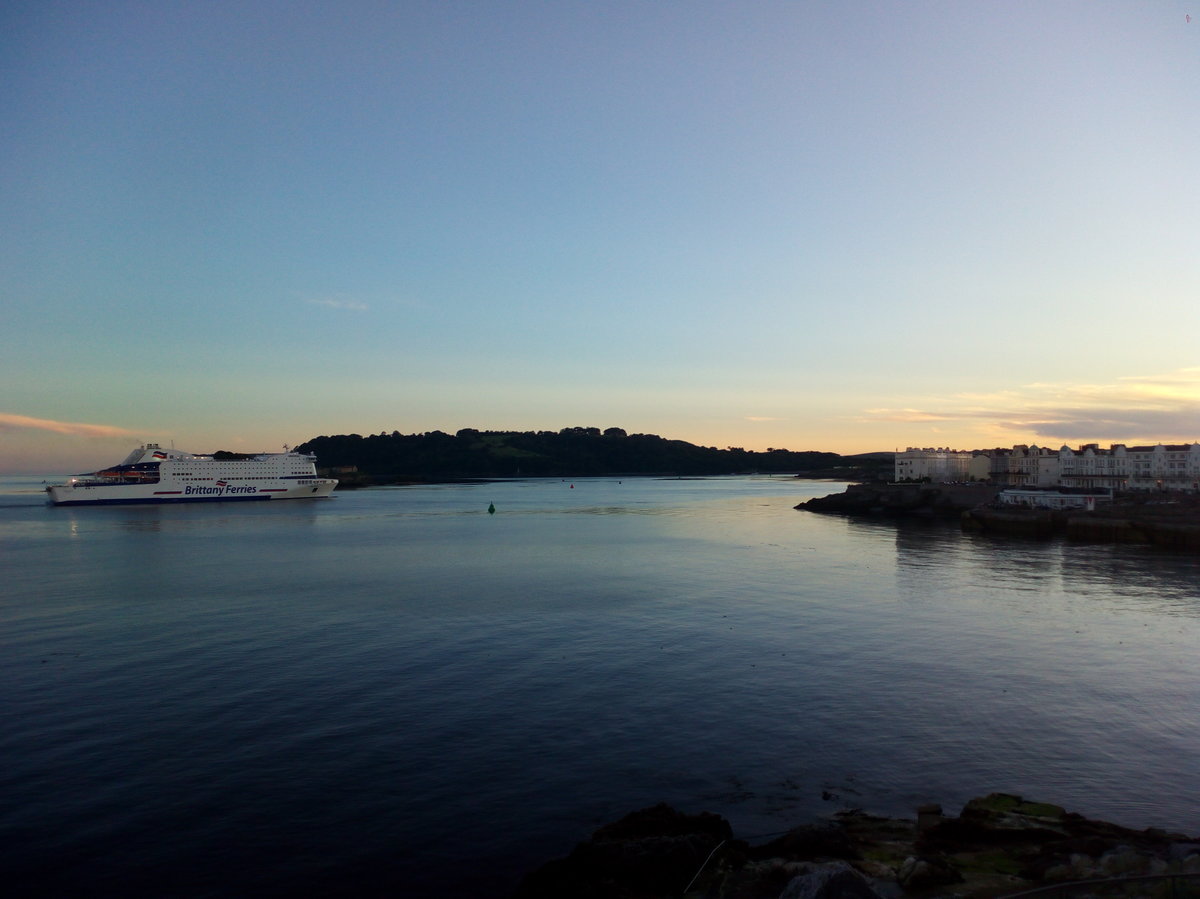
[941, 465]
[1159, 467]
[1120, 467]
[1025, 466]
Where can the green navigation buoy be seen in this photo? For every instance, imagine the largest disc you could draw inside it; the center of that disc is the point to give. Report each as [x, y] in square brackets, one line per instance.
[491, 508]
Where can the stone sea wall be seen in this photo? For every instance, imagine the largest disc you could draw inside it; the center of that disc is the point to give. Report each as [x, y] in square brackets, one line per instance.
[1116, 525]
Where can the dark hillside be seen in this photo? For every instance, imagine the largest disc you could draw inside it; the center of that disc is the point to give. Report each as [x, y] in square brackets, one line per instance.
[571, 452]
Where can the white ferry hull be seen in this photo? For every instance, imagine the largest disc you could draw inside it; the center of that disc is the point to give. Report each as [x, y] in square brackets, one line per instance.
[153, 475]
[68, 495]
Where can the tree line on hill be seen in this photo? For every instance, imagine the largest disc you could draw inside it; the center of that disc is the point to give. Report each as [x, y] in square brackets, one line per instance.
[571, 452]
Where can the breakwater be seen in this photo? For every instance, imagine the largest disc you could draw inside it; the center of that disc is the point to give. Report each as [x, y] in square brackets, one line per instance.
[940, 500]
[1171, 521]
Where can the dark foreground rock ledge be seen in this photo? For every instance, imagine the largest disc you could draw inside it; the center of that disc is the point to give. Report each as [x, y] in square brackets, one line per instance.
[999, 844]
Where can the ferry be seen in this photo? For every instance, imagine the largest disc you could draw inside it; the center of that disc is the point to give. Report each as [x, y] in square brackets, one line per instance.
[151, 474]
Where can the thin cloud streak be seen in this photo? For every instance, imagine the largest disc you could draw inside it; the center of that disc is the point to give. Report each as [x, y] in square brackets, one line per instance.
[1150, 408]
[25, 422]
[354, 305]
[1181, 376]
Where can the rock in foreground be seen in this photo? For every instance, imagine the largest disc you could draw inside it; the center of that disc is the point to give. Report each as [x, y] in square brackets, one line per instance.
[999, 844]
[649, 853]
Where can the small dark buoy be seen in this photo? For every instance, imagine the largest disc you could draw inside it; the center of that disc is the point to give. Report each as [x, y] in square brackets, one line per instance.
[491, 508]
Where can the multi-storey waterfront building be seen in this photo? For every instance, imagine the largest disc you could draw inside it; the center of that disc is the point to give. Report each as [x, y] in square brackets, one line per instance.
[1160, 467]
[1024, 466]
[940, 465]
[1120, 467]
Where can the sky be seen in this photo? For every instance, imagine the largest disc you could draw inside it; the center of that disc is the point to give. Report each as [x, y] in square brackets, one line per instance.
[830, 226]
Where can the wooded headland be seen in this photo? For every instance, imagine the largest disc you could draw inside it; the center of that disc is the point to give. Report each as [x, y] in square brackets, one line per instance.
[572, 452]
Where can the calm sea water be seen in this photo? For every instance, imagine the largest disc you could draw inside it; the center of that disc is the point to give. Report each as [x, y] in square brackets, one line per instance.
[394, 692]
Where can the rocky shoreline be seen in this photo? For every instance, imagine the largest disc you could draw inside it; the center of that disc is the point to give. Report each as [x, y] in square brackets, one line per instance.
[903, 500]
[1171, 521]
[998, 845]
